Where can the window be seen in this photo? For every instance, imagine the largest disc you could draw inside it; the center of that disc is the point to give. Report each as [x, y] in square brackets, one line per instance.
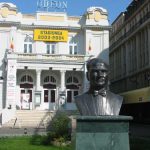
[73, 49]
[28, 44]
[45, 95]
[52, 96]
[51, 48]
[72, 87]
[49, 79]
[26, 82]
[72, 80]
[71, 94]
[50, 89]
[49, 82]
[26, 79]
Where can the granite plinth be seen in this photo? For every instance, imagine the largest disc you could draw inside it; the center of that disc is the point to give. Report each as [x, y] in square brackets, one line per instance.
[102, 133]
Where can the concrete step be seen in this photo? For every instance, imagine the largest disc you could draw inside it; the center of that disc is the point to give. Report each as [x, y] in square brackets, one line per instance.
[30, 118]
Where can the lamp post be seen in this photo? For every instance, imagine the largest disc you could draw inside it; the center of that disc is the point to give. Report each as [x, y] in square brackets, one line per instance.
[25, 131]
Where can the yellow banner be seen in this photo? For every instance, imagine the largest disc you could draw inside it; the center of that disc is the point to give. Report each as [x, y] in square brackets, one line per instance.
[50, 35]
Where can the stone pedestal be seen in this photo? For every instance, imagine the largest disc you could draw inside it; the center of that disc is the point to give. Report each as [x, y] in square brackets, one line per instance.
[102, 133]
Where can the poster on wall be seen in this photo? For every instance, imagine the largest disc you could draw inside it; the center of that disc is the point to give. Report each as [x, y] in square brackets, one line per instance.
[50, 35]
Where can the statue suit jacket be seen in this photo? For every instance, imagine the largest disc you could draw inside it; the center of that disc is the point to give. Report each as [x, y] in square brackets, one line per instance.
[90, 105]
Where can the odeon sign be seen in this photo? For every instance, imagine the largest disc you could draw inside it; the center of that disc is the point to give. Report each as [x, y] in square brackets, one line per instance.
[51, 4]
[50, 35]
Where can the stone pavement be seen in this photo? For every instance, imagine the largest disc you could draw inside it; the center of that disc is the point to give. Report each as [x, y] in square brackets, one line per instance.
[136, 130]
[21, 131]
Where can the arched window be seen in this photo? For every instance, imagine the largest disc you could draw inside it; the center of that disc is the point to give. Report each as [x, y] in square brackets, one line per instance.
[26, 81]
[72, 83]
[49, 82]
[49, 79]
[28, 41]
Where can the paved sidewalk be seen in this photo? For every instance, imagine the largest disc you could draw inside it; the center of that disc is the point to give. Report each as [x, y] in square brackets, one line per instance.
[21, 131]
[140, 130]
[136, 130]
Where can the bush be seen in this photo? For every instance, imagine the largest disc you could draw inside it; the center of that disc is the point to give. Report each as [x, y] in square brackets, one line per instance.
[59, 128]
[60, 125]
[58, 133]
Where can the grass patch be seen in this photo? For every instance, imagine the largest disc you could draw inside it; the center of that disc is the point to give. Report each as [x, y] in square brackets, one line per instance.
[24, 143]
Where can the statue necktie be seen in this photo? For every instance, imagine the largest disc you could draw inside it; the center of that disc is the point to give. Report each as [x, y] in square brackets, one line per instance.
[101, 92]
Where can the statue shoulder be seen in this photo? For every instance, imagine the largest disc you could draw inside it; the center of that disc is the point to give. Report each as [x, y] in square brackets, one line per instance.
[80, 97]
[115, 96]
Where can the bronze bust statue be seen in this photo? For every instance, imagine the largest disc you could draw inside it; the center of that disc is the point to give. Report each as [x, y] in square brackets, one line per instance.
[98, 100]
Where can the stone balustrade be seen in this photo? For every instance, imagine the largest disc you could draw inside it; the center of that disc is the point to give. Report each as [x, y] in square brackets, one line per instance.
[46, 57]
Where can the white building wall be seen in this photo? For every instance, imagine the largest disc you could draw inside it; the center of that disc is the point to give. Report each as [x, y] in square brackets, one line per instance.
[91, 39]
[1, 95]
[40, 47]
[19, 41]
[100, 45]
[4, 35]
[63, 48]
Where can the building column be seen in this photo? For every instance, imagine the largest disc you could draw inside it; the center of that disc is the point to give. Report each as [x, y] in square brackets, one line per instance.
[38, 80]
[37, 92]
[62, 86]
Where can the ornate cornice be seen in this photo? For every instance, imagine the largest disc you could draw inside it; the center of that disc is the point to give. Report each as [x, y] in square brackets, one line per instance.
[33, 26]
[97, 27]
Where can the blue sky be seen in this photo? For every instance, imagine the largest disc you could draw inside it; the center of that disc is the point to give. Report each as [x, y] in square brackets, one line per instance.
[77, 7]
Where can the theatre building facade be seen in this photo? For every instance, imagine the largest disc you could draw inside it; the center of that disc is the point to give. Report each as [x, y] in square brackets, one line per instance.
[43, 56]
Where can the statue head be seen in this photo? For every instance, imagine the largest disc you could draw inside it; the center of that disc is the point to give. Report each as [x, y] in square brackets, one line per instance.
[97, 74]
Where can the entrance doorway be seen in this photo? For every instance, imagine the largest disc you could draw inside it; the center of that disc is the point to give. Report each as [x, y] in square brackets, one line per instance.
[26, 92]
[71, 93]
[50, 93]
[72, 89]
[26, 98]
[50, 98]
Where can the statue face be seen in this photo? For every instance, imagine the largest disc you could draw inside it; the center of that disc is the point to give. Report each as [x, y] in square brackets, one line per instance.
[98, 75]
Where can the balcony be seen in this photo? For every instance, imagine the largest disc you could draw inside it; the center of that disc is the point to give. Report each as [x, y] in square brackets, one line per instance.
[47, 57]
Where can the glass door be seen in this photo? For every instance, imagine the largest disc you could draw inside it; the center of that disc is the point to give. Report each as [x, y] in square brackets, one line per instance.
[50, 98]
[71, 94]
